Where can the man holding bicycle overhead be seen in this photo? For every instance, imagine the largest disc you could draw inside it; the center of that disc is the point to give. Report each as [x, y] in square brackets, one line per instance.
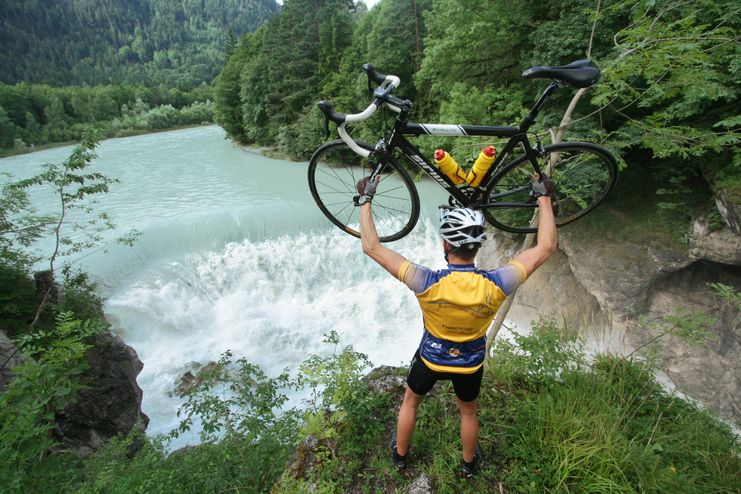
[458, 305]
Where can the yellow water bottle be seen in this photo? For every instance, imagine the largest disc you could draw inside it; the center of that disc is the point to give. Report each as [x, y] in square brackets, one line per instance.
[481, 166]
[448, 165]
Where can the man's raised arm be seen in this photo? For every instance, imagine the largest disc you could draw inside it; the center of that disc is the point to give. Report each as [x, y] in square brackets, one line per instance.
[533, 257]
[389, 259]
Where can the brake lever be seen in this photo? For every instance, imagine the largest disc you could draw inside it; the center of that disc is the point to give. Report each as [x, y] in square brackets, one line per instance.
[326, 128]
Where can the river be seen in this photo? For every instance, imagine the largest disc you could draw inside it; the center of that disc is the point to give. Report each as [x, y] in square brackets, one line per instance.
[233, 255]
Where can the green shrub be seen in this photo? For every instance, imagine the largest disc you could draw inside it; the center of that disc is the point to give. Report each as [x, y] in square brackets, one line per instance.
[43, 386]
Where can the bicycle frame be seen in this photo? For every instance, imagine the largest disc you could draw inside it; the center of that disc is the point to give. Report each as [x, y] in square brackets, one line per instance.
[464, 195]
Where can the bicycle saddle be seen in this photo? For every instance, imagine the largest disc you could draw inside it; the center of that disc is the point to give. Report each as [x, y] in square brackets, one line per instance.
[582, 73]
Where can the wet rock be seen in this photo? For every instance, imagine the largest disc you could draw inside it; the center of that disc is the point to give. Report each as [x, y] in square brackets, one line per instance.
[191, 378]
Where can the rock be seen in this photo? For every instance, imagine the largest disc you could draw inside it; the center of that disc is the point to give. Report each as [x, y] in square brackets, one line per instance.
[620, 275]
[191, 378]
[722, 246]
[385, 379]
[708, 372]
[304, 459]
[421, 485]
[110, 405]
[606, 285]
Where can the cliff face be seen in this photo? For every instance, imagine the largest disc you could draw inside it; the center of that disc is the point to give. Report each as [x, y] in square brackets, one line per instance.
[604, 287]
[111, 402]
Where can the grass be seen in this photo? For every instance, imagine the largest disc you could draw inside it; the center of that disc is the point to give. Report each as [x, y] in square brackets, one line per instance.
[551, 422]
[558, 425]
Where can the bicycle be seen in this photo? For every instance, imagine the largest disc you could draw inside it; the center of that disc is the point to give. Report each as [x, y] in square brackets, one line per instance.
[584, 172]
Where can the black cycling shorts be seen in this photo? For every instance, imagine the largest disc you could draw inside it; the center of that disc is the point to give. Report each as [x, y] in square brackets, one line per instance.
[421, 379]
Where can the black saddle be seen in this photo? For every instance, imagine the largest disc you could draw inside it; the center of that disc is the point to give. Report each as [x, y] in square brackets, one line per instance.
[582, 73]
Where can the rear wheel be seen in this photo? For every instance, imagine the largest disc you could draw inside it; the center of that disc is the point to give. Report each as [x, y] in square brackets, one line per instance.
[334, 171]
[584, 173]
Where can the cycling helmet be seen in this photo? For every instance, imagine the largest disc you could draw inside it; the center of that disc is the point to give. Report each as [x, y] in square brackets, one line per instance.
[462, 227]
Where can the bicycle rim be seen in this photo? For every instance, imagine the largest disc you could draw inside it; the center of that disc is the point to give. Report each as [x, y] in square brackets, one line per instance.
[334, 171]
[583, 173]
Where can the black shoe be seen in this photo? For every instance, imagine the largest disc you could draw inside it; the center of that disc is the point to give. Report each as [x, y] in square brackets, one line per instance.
[401, 462]
[471, 468]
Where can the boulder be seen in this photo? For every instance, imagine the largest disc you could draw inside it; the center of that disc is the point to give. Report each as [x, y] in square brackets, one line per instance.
[721, 246]
[111, 404]
[386, 380]
[191, 378]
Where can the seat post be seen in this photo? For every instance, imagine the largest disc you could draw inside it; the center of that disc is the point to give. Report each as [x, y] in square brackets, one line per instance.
[530, 118]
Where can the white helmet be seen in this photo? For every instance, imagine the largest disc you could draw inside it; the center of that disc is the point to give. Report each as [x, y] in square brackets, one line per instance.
[462, 226]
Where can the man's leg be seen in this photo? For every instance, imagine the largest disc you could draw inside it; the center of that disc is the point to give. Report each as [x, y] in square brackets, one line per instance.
[467, 388]
[469, 429]
[407, 420]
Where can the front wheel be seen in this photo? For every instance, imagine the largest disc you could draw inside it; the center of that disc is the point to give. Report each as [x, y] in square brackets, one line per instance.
[584, 173]
[334, 171]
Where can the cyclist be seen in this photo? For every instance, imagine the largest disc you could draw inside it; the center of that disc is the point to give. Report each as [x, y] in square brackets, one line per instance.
[458, 305]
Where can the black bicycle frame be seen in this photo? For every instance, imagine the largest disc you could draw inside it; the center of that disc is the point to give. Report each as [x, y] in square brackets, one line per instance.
[465, 195]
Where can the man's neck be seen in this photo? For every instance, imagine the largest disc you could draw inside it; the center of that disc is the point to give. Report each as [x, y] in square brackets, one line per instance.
[456, 259]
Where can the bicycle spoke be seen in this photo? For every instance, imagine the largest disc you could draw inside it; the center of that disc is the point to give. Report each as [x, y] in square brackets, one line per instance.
[328, 204]
[347, 222]
[388, 208]
[341, 210]
[339, 179]
[335, 191]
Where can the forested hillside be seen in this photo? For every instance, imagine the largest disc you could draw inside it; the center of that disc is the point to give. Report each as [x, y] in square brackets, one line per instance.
[124, 67]
[667, 101]
[150, 42]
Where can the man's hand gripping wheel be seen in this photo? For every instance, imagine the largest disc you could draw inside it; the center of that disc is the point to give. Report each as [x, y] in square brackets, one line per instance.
[366, 189]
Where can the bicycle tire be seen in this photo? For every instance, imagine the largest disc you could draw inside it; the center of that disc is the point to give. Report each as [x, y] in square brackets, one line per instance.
[584, 174]
[334, 170]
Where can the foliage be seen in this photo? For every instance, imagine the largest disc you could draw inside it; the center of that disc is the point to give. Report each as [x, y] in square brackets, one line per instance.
[43, 386]
[32, 114]
[550, 422]
[247, 438]
[542, 356]
[234, 400]
[666, 101]
[144, 42]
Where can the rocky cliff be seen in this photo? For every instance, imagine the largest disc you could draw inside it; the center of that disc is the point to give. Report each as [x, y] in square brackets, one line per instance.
[606, 286]
[111, 402]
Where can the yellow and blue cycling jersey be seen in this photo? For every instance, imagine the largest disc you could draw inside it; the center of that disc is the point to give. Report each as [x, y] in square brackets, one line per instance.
[458, 305]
